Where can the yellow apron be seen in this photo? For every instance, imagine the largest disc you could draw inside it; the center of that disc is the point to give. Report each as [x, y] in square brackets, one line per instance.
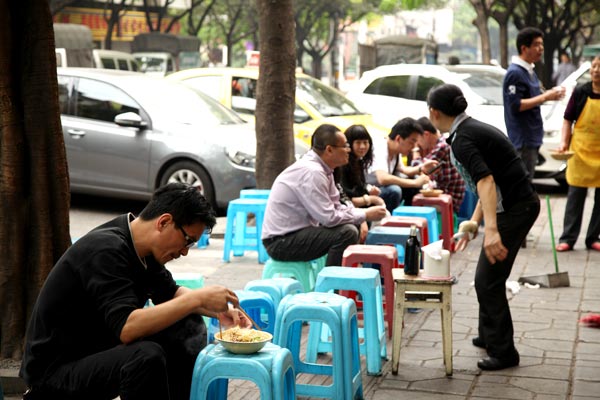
[583, 169]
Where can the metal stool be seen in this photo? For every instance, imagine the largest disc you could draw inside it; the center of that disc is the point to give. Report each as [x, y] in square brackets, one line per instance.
[271, 369]
[367, 282]
[339, 314]
[415, 291]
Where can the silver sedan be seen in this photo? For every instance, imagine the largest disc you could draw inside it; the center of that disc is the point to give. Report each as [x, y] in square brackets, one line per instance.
[127, 133]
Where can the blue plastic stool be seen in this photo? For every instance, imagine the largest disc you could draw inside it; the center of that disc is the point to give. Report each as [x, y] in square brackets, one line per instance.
[425, 212]
[389, 235]
[367, 282]
[271, 369]
[259, 307]
[189, 280]
[467, 206]
[255, 193]
[302, 271]
[339, 314]
[203, 242]
[277, 288]
[237, 237]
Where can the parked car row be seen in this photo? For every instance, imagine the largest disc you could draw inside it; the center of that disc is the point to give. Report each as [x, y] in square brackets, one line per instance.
[385, 90]
[127, 133]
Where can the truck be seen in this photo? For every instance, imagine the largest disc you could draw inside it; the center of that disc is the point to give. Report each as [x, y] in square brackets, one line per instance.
[163, 53]
[397, 49]
[74, 45]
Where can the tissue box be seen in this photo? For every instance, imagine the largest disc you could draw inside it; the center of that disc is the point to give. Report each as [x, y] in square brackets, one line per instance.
[436, 261]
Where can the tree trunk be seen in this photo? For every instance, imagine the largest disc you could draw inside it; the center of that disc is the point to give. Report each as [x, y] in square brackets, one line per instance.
[34, 183]
[481, 23]
[276, 90]
[317, 65]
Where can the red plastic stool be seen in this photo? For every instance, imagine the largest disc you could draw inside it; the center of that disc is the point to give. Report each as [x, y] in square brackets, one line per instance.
[406, 222]
[387, 258]
[443, 204]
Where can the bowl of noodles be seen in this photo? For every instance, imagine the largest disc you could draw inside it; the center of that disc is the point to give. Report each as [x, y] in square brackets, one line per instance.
[243, 340]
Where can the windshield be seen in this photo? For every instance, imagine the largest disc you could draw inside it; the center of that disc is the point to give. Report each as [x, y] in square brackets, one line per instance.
[487, 84]
[152, 64]
[324, 99]
[186, 105]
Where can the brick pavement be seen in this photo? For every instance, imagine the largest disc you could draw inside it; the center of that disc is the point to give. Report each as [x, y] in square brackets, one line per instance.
[559, 358]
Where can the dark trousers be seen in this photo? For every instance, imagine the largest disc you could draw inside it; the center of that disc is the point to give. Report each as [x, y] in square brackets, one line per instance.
[159, 367]
[495, 321]
[313, 242]
[529, 155]
[574, 215]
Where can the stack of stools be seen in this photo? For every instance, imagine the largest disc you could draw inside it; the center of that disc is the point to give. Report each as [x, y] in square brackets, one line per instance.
[388, 235]
[443, 204]
[304, 272]
[238, 238]
[367, 282]
[339, 314]
[260, 308]
[387, 258]
[407, 222]
[414, 291]
[271, 369]
[277, 288]
[428, 213]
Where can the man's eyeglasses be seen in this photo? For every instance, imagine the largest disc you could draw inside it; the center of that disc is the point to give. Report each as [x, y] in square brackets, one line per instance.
[189, 241]
[345, 146]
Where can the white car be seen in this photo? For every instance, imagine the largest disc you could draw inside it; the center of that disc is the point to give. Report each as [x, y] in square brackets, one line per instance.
[392, 92]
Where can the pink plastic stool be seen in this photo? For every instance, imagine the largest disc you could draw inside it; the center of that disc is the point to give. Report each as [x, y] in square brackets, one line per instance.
[443, 204]
[387, 258]
[406, 222]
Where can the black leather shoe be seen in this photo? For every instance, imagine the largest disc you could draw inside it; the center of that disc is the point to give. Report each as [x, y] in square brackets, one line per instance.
[478, 342]
[494, 364]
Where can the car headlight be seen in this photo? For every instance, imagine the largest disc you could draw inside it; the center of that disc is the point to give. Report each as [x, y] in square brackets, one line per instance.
[241, 158]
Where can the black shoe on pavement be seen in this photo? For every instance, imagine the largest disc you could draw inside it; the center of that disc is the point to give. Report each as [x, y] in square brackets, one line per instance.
[494, 364]
[478, 342]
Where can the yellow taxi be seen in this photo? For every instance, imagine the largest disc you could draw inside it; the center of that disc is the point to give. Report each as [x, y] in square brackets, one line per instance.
[316, 103]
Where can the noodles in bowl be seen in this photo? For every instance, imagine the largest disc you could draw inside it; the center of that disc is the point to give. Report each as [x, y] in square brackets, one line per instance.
[243, 340]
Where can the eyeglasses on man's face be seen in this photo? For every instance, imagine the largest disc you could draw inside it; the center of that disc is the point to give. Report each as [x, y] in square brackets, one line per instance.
[189, 241]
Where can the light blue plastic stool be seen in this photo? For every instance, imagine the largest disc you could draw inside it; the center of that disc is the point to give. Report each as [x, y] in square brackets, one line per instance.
[189, 280]
[425, 212]
[271, 369]
[367, 282]
[255, 193]
[302, 271]
[277, 288]
[389, 235]
[259, 307]
[339, 314]
[204, 241]
[237, 238]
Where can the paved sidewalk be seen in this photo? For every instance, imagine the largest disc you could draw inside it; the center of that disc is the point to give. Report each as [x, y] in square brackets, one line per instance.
[559, 358]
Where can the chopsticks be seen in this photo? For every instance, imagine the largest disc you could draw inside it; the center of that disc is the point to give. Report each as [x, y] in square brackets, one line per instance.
[249, 318]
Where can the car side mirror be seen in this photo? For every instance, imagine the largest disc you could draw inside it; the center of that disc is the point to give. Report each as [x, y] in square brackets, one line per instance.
[300, 116]
[130, 119]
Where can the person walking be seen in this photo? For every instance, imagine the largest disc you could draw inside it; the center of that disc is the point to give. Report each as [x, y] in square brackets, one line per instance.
[564, 69]
[508, 204]
[581, 134]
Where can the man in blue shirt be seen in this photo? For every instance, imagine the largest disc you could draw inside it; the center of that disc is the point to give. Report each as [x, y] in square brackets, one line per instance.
[523, 97]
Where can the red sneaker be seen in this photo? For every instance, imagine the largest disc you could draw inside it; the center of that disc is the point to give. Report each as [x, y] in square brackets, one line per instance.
[567, 247]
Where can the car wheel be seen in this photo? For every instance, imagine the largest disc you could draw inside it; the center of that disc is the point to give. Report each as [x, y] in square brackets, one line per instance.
[192, 174]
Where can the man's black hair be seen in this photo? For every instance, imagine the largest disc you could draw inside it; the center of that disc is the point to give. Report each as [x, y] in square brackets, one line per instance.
[184, 202]
[526, 36]
[405, 127]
